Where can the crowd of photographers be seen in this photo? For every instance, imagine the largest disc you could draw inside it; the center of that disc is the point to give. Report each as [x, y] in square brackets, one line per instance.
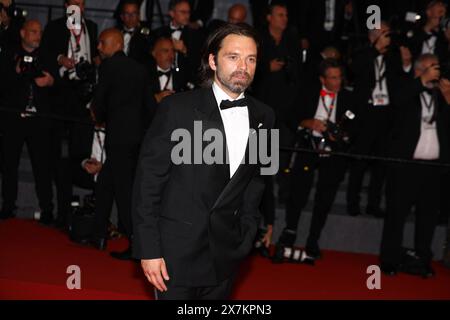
[82, 101]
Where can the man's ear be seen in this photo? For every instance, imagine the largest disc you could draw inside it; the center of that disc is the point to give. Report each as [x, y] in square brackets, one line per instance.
[22, 33]
[322, 80]
[212, 62]
[171, 14]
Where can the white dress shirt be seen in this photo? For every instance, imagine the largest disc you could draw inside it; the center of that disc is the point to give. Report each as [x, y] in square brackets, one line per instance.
[429, 45]
[322, 113]
[428, 145]
[127, 40]
[329, 14]
[73, 52]
[237, 128]
[163, 80]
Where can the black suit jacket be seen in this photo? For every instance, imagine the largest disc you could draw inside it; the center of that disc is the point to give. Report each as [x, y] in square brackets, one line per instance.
[55, 39]
[364, 76]
[441, 49]
[123, 100]
[194, 216]
[139, 49]
[407, 125]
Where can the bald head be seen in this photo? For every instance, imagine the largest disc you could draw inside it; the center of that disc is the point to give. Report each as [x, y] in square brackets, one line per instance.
[237, 13]
[30, 35]
[110, 42]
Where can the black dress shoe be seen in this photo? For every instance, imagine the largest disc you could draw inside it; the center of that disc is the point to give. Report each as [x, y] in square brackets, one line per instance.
[124, 255]
[389, 269]
[99, 244]
[418, 268]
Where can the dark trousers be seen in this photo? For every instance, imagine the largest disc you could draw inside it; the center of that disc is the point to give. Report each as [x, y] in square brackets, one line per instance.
[220, 292]
[331, 171]
[372, 139]
[37, 138]
[409, 186]
[115, 183]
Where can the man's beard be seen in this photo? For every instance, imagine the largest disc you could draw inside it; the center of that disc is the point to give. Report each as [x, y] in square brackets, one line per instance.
[235, 86]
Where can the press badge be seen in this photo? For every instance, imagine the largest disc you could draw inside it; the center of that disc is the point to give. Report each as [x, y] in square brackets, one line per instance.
[379, 98]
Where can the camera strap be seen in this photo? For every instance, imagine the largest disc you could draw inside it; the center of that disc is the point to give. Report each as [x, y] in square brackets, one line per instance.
[328, 109]
[429, 107]
[381, 72]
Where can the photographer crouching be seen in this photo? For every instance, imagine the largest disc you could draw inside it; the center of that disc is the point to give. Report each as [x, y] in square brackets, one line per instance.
[25, 82]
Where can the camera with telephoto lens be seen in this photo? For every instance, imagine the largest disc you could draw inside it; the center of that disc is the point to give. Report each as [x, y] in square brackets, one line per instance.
[334, 138]
[86, 72]
[30, 67]
[13, 11]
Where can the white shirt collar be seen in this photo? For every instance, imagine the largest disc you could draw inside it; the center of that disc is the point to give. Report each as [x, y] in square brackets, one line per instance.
[158, 68]
[221, 95]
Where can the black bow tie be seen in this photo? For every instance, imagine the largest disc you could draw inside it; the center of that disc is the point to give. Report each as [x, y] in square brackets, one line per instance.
[227, 104]
[164, 73]
[128, 32]
[176, 29]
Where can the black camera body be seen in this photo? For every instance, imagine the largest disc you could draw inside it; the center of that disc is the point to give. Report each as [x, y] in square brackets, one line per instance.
[30, 67]
[87, 73]
[81, 219]
[14, 12]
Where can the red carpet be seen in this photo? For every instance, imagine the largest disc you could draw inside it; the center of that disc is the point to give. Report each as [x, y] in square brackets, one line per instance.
[34, 260]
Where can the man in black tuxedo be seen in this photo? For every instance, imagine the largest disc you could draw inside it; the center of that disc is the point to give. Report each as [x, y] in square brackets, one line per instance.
[429, 38]
[164, 78]
[186, 40]
[331, 103]
[26, 89]
[64, 49]
[420, 133]
[136, 35]
[194, 224]
[376, 70]
[122, 101]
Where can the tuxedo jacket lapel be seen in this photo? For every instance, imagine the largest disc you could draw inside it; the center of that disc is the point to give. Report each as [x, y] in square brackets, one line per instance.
[245, 171]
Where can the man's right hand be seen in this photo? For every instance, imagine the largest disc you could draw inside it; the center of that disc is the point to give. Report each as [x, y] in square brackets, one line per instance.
[432, 73]
[276, 65]
[163, 94]
[66, 62]
[314, 124]
[155, 270]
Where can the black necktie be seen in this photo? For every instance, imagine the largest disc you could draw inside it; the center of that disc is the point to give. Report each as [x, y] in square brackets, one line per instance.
[162, 73]
[227, 104]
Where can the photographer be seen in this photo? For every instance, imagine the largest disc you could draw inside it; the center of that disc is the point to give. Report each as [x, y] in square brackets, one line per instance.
[276, 79]
[71, 53]
[318, 113]
[376, 71]
[420, 133]
[429, 38]
[25, 84]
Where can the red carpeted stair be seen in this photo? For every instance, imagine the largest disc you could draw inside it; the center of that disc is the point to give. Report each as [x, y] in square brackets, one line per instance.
[34, 260]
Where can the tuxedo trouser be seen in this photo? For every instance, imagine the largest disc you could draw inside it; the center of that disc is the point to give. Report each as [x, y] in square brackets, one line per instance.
[115, 183]
[220, 292]
[371, 140]
[331, 171]
[410, 186]
[37, 138]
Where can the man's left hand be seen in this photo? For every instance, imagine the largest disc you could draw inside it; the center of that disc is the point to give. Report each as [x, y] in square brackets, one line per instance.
[45, 81]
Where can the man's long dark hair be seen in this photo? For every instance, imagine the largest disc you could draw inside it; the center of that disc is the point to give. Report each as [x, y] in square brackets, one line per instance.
[214, 43]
